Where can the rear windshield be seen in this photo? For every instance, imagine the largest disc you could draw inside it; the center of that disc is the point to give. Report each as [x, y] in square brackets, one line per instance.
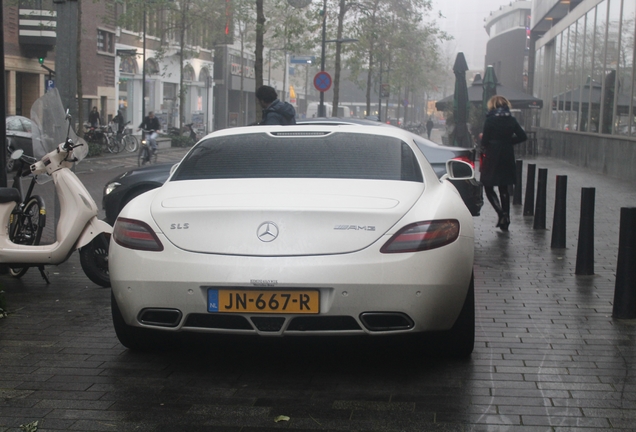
[337, 156]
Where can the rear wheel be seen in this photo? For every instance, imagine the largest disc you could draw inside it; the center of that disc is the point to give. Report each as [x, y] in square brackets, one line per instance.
[94, 260]
[131, 143]
[142, 157]
[27, 229]
[114, 145]
[136, 338]
[459, 341]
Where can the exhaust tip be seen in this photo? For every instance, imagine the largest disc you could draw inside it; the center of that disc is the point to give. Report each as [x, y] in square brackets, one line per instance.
[160, 317]
[386, 321]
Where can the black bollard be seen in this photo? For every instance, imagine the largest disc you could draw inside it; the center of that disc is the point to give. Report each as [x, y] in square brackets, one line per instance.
[516, 197]
[558, 223]
[528, 205]
[625, 289]
[585, 248]
[539, 209]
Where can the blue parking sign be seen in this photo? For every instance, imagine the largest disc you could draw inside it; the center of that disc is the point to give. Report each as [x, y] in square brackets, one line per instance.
[50, 84]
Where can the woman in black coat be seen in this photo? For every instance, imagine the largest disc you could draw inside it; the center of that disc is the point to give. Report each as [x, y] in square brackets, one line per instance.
[501, 132]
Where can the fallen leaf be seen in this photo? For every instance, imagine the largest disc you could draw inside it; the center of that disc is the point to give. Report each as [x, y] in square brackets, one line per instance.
[281, 418]
[30, 427]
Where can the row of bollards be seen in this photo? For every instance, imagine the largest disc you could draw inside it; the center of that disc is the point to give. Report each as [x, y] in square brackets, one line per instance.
[625, 288]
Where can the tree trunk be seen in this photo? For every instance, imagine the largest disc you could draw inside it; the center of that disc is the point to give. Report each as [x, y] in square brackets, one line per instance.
[78, 71]
[258, 53]
[182, 90]
[336, 78]
[241, 95]
[369, 76]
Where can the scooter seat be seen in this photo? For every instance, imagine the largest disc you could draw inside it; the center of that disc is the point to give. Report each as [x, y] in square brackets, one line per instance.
[9, 194]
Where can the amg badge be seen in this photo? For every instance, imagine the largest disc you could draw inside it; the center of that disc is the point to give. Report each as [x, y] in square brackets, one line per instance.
[354, 227]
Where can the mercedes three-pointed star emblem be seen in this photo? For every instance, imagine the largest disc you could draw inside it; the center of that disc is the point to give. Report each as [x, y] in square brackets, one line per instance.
[267, 232]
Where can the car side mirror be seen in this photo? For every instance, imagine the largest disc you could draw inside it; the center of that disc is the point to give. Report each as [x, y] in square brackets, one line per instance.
[459, 170]
[17, 154]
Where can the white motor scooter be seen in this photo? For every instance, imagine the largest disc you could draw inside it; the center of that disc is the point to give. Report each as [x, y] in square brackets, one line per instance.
[78, 226]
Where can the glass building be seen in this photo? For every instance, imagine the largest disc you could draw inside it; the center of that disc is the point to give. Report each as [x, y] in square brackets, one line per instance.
[584, 65]
[582, 61]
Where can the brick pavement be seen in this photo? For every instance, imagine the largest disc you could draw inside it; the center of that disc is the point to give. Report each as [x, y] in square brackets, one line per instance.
[548, 355]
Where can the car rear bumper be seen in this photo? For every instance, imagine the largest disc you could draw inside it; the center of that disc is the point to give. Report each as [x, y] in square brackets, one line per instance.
[359, 293]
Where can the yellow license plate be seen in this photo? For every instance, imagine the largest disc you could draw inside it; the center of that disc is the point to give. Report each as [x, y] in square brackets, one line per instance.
[264, 301]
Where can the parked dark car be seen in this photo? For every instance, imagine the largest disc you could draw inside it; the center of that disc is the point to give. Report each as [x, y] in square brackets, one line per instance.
[18, 137]
[123, 188]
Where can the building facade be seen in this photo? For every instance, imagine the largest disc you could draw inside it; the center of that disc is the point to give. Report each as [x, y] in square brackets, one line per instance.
[29, 35]
[584, 71]
[508, 45]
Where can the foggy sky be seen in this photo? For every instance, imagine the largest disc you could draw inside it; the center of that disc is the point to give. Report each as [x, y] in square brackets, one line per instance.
[464, 20]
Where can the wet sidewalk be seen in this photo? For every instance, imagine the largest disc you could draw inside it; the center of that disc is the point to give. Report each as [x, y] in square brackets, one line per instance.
[548, 355]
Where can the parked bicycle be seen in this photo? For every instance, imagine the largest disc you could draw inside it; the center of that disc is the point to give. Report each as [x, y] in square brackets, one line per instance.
[100, 136]
[28, 218]
[146, 153]
[125, 140]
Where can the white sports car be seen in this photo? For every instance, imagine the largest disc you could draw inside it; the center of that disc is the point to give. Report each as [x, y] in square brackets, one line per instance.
[298, 230]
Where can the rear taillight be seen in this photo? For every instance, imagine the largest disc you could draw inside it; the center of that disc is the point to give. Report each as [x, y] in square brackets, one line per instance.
[134, 234]
[421, 236]
[465, 159]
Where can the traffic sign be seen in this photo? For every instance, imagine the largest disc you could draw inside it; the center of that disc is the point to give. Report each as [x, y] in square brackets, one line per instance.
[322, 81]
[50, 84]
[302, 59]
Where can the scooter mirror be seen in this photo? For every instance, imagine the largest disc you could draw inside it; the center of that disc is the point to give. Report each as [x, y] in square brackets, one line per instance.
[68, 114]
[17, 154]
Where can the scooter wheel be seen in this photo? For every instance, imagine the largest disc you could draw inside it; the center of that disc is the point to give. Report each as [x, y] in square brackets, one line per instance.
[94, 260]
[18, 272]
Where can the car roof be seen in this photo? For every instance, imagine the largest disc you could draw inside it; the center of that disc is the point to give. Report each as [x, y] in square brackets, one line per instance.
[341, 121]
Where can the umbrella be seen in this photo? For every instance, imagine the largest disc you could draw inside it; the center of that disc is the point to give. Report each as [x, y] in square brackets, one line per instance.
[608, 101]
[489, 86]
[460, 136]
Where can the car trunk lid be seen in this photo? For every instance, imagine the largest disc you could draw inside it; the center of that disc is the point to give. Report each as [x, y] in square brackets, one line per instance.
[280, 217]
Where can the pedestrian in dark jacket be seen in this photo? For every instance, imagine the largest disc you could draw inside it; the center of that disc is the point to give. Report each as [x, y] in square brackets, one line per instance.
[93, 118]
[501, 132]
[429, 127]
[275, 112]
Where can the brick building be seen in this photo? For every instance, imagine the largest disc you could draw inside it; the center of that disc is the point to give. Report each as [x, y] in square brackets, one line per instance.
[30, 36]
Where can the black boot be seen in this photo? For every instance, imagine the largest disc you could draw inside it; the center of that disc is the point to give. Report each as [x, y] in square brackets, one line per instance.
[504, 219]
[494, 201]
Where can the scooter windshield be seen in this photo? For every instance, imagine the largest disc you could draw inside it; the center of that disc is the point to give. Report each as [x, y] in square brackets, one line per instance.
[50, 127]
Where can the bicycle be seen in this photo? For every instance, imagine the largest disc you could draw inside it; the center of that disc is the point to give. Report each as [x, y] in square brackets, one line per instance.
[28, 218]
[102, 136]
[125, 140]
[146, 154]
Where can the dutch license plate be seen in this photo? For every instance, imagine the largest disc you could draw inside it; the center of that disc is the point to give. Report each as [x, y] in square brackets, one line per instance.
[262, 301]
